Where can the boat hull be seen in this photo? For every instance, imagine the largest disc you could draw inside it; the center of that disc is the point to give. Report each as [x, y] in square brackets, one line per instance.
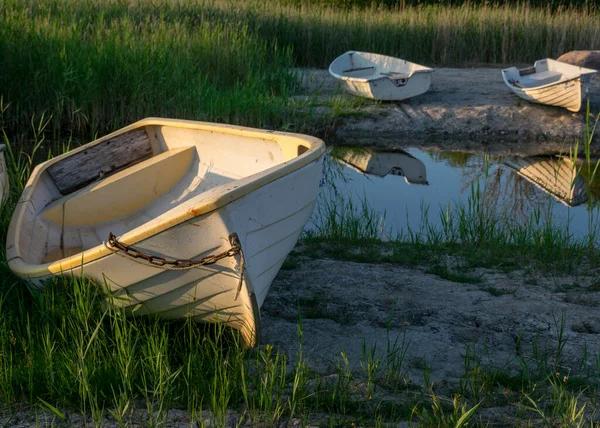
[140, 231]
[268, 223]
[551, 83]
[387, 89]
[568, 95]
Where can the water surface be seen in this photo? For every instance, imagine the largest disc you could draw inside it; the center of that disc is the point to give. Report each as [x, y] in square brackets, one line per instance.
[406, 186]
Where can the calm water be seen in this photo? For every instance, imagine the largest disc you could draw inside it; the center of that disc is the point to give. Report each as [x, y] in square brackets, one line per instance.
[402, 184]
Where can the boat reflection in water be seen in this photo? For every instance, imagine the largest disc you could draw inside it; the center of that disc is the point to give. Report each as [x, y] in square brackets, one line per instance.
[384, 162]
[551, 189]
[557, 176]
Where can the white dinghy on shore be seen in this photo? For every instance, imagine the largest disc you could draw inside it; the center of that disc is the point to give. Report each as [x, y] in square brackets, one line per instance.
[380, 77]
[550, 82]
[176, 218]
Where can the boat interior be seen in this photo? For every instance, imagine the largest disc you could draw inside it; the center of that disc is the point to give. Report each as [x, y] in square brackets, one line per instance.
[125, 181]
[544, 72]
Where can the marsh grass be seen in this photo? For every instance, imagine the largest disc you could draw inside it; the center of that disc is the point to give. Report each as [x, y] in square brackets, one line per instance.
[470, 237]
[97, 65]
[440, 35]
[76, 70]
[63, 349]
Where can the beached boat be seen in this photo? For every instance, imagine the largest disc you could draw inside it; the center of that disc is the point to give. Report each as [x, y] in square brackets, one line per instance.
[550, 82]
[176, 218]
[383, 162]
[556, 176]
[380, 77]
[3, 174]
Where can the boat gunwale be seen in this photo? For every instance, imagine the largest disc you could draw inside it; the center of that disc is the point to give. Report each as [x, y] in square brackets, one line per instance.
[375, 77]
[144, 231]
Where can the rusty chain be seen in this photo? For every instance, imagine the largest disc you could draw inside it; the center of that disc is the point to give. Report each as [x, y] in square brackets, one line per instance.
[184, 264]
[179, 263]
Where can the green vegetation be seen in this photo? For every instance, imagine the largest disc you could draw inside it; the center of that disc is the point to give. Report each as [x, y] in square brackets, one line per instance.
[468, 236]
[391, 4]
[74, 70]
[97, 65]
[62, 348]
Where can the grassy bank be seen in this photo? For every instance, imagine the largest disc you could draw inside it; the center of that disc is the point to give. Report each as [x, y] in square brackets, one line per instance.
[439, 35]
[63, 350]
[97, 65]
[75, 70]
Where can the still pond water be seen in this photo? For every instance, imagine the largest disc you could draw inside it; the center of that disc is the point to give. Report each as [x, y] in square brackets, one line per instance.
[401, 185]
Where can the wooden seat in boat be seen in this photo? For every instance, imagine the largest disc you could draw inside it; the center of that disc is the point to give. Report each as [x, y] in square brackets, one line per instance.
[542, 78]
[123, 192]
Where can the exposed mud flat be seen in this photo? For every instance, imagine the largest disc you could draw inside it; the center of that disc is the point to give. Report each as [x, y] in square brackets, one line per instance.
[465, 109]
[345, 304]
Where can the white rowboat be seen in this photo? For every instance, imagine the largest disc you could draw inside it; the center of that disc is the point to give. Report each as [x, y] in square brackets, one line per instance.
[170, 193]
[380, 77]
[556, 176]
[381, 163]
[550, 82]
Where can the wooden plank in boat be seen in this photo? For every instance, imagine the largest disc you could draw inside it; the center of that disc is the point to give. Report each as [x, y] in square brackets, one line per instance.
[350, 70]
[395, 75]
[100, 160]
[527, 71]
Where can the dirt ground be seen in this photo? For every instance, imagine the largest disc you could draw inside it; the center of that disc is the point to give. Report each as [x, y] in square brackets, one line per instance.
[347, 305]
[344, 304]
[467, 109]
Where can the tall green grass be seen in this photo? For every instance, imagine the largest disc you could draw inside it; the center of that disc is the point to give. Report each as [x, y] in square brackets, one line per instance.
[63, 349]
[440, 35]
[97, 65]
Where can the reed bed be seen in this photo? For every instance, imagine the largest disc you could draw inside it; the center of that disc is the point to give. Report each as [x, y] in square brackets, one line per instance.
[438, 35]
[73, 70]
[97, 65]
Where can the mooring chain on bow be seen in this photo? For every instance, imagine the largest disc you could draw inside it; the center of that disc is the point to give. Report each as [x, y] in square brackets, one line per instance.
[182, 264]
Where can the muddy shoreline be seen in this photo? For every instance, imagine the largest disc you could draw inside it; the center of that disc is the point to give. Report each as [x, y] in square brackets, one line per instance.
[509, 321]
[468, 110]
[345, 304]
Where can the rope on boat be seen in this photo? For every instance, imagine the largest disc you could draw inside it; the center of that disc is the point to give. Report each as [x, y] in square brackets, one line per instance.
[181, 264]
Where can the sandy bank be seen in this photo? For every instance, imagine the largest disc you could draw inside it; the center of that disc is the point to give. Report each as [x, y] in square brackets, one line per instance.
[465, 109]
[345, 304]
